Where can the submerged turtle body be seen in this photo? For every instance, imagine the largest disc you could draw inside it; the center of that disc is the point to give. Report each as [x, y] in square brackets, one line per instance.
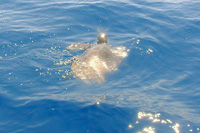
[94, 63]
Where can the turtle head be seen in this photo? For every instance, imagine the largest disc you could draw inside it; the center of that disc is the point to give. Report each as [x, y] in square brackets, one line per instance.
[102, 39]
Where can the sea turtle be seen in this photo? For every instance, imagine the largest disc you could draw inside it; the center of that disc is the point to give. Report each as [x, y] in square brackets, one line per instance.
[97, 60]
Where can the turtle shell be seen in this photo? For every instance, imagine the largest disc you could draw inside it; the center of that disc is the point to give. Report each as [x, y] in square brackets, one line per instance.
[94, 63]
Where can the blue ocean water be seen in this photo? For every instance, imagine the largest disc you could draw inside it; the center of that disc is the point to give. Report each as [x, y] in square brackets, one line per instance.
[156, 88]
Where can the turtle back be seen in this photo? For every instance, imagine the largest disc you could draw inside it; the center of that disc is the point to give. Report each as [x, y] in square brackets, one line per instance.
[95, 63]
[104, 54]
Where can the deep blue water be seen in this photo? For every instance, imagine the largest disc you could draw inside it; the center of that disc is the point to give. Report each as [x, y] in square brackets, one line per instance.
[156, 88]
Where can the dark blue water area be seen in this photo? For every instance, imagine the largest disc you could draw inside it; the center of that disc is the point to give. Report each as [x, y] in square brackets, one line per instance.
[155, 89]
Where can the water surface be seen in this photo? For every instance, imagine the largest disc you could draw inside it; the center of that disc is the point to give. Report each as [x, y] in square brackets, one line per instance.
[156, 88]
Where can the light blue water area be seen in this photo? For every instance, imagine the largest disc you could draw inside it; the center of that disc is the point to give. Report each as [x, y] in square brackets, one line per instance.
[156, 88]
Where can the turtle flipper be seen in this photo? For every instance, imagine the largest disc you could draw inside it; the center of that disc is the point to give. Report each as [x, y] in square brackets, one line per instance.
[78, 46]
